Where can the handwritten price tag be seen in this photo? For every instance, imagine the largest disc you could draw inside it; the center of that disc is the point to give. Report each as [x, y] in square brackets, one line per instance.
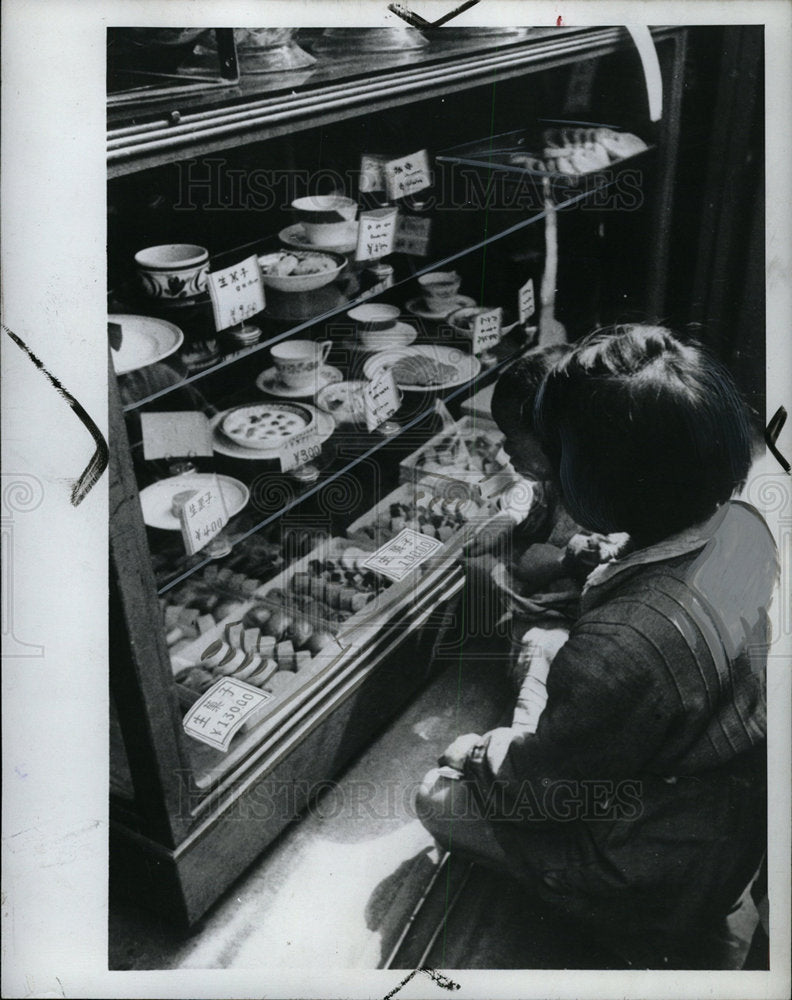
[372, 173]
[221, 711]
[175, 435]
[526, 301]
[381, 399]
[299, 450]
[412, 235]
[408, 175]
[487, 330]
[203, 516]
[376, 233]
[237, 292]
[402, 554]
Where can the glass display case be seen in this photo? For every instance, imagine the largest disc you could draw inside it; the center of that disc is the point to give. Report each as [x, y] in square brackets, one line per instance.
[290, 494]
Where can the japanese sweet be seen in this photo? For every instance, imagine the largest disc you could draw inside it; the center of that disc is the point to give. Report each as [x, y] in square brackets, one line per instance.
[299, 271]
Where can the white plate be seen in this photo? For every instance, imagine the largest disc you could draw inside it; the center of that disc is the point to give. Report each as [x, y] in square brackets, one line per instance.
[467, 366]
[399, 335]
[295, 236]
[323, 423]
[269, 382]
[418, 307]
[156, 499]
[144, 340]
[277, 413]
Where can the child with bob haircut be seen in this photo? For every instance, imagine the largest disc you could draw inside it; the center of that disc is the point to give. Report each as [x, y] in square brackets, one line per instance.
[638, 807]
[534, 564]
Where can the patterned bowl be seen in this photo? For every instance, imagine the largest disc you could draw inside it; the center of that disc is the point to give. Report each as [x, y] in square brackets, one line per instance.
[172, 271]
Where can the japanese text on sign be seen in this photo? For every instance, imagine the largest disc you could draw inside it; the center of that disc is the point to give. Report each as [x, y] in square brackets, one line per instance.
[299, 450]
[372, 173]
[381, 399]
[203, 516]
[402, 554]
[526, 301]
[221, 711]
[486, 330]
[412, 235]
[408, 175]
[376, 233]
[175, 435]
[237, 292]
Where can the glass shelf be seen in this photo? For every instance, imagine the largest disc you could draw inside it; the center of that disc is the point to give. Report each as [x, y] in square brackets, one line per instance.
[347, 449]
[406, 267]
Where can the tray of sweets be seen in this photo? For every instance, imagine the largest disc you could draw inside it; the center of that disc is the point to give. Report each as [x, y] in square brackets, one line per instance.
[469, 453]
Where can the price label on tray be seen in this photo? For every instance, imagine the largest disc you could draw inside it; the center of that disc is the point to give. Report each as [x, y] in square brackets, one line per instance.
[299, 450]
[380, 399]
[202, 516]
[175, 435]
[376, 233]
[402, 554]
[526, 301]
[408, 175]
[222, 710]
[237, 292]
[487, 330]
[412, 235]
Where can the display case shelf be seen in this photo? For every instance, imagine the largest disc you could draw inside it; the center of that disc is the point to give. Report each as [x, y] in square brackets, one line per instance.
[407, 268]
[368, 84]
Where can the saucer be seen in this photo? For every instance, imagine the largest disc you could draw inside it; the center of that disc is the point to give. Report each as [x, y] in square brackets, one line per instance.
[269, 382]
[295, 236]
[418, 307]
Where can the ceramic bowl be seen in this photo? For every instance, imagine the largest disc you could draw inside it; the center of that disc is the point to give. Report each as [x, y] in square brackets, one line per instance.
[332, 265]
[377, 325]
[440, 288]
[326, 219]
[172, 271]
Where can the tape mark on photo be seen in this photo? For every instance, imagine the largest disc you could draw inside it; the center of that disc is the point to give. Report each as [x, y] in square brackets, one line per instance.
[98, 463]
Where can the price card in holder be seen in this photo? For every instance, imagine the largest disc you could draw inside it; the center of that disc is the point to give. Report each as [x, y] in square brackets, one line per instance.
[222, 710]
[237, 292]
[381, 399]
[413, 233]
[202, 516]
[376, 233]
[402, 554]
[526, 301]
[299, 450]
[372, 173]
[175, 435]
[487, 330]
[408, 175]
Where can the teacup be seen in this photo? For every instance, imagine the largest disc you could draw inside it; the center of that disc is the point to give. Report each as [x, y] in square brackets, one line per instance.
[298, 361]
[173, 270]
[440, 289]
[376, 323]
[328, 219]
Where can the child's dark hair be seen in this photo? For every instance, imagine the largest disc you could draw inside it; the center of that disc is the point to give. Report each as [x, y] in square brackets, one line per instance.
[515, 391]
[647, 434]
